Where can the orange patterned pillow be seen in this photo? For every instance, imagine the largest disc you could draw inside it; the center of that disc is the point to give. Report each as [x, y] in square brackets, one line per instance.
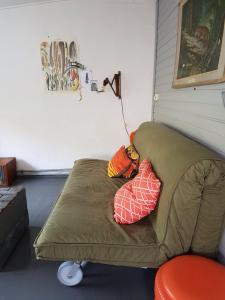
[124, 163]
[132, 135]
[138, 197]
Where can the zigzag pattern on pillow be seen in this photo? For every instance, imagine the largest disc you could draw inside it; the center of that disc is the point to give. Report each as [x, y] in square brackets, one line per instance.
[138, 197]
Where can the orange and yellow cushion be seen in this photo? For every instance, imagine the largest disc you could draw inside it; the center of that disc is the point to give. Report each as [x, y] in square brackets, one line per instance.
[138, 197]
[132, 135]
[124, 163]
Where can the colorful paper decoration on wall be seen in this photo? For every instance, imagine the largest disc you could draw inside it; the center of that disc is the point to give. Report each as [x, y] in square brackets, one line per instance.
[57, 58]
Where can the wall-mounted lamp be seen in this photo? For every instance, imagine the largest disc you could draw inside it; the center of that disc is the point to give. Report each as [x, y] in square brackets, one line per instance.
[117, 80]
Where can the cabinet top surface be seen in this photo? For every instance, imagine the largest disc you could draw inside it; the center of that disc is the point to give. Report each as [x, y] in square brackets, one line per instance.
[6, 160]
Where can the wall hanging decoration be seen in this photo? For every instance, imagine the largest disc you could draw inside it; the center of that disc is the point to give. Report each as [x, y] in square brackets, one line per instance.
[200, 55]
[60, 66]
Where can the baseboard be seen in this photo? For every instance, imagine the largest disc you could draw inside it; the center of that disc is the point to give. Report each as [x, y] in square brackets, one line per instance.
[59, 172]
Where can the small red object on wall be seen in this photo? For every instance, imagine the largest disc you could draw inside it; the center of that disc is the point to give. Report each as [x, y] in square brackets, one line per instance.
[7, 170]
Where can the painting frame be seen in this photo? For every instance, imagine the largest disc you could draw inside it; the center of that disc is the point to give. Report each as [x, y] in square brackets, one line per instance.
[204, 78]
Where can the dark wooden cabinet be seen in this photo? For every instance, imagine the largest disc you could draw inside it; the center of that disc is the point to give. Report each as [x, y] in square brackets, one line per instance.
[7, 170]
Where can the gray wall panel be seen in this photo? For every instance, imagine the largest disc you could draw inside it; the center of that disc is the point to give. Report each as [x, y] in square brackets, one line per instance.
[198, 112]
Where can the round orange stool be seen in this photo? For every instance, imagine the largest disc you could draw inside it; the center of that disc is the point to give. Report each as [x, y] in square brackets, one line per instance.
[190, 277]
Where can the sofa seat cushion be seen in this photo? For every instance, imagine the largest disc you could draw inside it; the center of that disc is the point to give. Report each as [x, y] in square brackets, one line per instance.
[81, 225]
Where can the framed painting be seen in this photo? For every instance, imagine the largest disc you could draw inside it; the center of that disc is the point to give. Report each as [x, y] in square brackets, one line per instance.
[200, 57]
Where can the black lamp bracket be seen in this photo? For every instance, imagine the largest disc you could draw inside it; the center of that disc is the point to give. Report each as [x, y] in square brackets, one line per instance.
[117, 80]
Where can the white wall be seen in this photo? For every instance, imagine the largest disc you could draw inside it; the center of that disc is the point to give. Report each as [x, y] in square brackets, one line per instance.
[49, 131]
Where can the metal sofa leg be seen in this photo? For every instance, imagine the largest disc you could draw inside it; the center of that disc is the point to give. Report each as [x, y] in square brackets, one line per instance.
[70, 273]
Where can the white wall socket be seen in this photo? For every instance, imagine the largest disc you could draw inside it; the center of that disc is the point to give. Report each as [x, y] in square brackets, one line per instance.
[156, 97]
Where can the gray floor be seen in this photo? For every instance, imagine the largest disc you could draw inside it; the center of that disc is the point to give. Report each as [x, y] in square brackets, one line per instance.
[25, 278]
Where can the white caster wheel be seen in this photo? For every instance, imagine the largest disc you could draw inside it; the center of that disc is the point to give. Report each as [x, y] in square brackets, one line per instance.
[70, 273]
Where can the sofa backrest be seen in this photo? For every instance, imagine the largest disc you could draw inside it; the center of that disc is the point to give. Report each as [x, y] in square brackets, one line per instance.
[190, 211]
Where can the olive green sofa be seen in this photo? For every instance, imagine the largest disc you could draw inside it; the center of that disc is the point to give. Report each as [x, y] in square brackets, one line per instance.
[189, 217]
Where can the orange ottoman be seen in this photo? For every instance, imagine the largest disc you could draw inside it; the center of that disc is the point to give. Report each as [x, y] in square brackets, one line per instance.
[190, 277]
